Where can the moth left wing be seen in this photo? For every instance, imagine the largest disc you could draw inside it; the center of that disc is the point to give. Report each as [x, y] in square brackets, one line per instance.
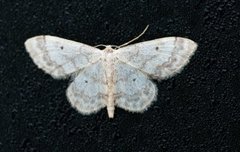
[88, 91]
[60, 57]
[160, 58]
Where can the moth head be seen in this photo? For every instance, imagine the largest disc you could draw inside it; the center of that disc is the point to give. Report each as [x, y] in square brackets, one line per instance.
[110, 48]
[107, 48]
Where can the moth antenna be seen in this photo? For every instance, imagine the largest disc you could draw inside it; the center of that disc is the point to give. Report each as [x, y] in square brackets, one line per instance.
[100, 45]
[115, 46]
[135, 37]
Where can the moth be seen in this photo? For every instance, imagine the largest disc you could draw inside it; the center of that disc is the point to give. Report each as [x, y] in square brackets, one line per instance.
[114, 76]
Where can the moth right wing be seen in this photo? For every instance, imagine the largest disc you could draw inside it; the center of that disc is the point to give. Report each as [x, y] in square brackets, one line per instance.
[133, 89]
[160, 58]
[60, 57]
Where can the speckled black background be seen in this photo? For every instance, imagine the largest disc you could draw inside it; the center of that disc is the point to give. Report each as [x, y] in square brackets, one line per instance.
[197, 110]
